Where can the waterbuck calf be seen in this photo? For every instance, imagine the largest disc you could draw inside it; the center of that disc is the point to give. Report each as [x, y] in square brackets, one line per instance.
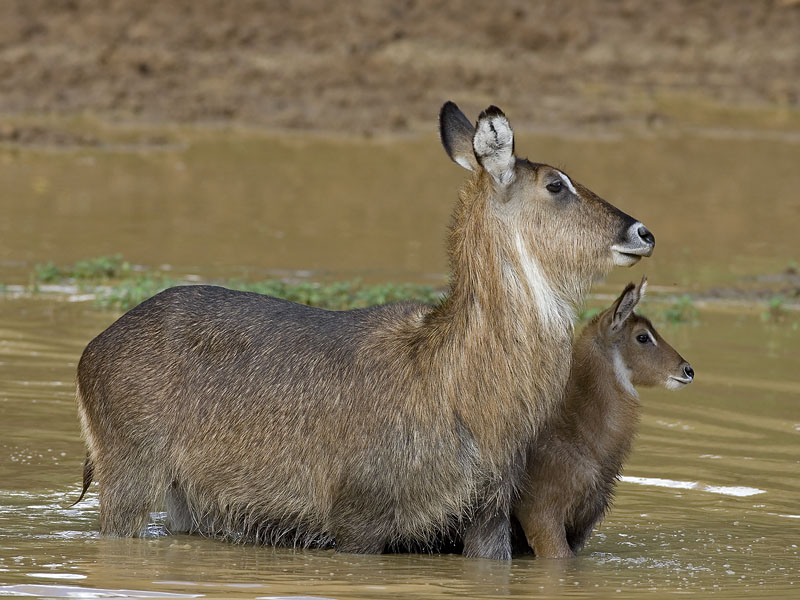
[573, 465]
[265, 420]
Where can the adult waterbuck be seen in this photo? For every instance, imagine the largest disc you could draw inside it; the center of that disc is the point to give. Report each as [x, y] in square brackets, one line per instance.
[264, 420]
[573, 466]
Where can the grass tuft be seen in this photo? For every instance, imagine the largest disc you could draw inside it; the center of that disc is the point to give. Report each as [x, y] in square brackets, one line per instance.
[125, 294]
[682, 311]
[775, 310]
[119, 287]
[90, 270]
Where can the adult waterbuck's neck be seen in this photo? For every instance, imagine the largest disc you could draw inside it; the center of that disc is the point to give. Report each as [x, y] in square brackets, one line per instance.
[525, 244]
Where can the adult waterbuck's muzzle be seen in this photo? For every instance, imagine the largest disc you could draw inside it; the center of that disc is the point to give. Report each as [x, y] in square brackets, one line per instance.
[635, 242]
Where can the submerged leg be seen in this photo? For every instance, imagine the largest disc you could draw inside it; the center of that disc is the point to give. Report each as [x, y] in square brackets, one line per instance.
[546, 535]
[360, 540]
[489, 535]
[577, 535]
[179, 517]
[126, 501]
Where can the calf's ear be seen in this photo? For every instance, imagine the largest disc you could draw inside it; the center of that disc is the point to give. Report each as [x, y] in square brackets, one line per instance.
[626, 303]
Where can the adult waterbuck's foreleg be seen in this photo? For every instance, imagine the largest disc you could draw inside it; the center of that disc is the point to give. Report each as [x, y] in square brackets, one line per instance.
[489, 535]
[179, 516]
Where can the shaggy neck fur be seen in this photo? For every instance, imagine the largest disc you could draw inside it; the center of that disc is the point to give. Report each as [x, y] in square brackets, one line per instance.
[503, 330]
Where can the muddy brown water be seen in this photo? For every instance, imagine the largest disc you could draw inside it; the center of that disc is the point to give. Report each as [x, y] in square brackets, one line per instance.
[711, 498]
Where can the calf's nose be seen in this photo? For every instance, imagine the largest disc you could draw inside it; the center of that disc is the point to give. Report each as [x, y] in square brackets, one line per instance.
[688, 371]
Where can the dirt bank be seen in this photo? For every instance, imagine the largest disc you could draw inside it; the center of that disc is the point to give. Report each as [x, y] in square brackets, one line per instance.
[387, 66]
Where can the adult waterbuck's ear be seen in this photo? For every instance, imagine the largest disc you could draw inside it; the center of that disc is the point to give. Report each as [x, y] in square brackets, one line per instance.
[494, 145]
[457, 132]
[626, 303]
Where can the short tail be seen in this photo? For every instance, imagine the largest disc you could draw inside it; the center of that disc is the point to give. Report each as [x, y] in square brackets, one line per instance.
[88, 473]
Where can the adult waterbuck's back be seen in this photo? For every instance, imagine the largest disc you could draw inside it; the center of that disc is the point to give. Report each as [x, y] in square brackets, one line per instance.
[259, 419]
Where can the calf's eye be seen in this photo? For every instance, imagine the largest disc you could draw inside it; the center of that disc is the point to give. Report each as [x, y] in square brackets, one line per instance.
[642, 338]
[554, 187]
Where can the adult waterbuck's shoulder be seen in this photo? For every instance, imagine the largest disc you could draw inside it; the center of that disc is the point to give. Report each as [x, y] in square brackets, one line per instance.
[260, 419]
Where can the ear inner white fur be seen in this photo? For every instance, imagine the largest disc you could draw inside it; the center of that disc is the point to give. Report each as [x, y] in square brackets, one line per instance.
[494, 145]
[462, 161]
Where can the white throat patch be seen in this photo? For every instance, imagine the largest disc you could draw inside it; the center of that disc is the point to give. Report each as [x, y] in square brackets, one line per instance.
[623, 374]
[553, 310]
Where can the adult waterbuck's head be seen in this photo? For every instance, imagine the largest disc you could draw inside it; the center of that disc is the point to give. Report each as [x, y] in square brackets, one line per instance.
[558, 236]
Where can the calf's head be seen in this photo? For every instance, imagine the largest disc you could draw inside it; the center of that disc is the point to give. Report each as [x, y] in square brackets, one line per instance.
[641, 356]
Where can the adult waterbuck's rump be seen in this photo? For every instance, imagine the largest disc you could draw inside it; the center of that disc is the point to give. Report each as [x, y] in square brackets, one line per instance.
[260, 419]
[573, 467]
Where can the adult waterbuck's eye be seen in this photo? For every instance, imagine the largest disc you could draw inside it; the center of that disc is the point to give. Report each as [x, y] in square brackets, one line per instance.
[642, 338]
[554, 187]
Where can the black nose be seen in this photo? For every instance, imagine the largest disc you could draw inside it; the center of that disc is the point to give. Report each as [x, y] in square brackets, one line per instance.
[688, 371]
[646, 235]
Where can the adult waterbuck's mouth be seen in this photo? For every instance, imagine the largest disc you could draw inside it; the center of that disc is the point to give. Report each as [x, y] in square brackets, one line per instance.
[638, 242]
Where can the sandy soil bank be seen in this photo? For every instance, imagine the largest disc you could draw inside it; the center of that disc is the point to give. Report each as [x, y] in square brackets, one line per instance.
[366, 67]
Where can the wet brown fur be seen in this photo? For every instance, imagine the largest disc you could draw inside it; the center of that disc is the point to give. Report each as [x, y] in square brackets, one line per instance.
[263, 420]
[574, 464]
